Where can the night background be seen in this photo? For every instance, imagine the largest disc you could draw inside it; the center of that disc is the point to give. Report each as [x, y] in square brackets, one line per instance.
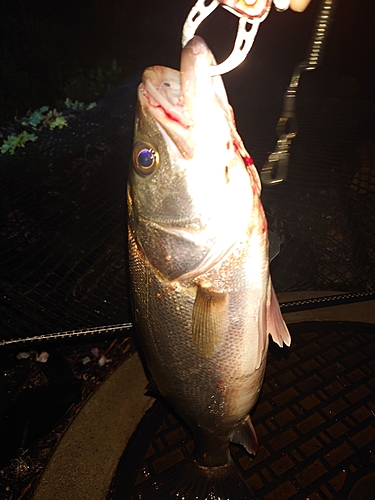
[63, 213]
[52, 50]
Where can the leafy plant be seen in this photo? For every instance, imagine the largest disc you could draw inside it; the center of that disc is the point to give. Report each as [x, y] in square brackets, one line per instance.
[42, 117]
[58, 122]
[16, 141]
[35, 118]
[78, 105]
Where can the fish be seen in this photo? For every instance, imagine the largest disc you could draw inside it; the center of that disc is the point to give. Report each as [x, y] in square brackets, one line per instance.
[203, 300]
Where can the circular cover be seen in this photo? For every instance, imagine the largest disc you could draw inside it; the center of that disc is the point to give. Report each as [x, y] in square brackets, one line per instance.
[314, 420]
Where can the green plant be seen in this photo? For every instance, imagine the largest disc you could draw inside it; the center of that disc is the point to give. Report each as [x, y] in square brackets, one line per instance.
[78, 105]
[58, 122]
[42, 117]
[35, 118]
[16, 141]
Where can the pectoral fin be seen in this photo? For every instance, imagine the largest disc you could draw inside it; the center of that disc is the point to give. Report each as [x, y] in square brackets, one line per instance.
[210, 319]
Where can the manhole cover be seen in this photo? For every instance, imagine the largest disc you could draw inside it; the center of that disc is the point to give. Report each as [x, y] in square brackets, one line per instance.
[315, 422]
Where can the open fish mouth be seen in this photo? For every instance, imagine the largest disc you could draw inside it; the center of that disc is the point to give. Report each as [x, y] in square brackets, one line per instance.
[184, 103]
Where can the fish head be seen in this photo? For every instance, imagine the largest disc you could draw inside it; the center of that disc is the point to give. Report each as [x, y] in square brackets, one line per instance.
[192, 181]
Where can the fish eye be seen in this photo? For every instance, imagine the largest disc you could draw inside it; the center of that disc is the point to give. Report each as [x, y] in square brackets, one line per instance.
[145, 158]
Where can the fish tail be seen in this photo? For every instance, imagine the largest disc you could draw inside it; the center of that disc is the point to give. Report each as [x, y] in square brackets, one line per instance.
[193, 482]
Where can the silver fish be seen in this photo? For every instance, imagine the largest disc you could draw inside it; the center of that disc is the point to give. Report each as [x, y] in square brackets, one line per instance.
[202, 294]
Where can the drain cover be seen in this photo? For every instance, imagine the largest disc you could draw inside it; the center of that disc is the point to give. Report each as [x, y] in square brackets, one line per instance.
[315, 421]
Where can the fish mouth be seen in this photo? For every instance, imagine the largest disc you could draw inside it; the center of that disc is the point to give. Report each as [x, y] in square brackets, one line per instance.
[175, 99]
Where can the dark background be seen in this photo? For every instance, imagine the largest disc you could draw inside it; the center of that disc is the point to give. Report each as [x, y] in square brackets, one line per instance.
[46, 45]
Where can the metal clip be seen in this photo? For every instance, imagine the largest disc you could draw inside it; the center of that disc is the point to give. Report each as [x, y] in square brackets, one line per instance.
[276, 168]
[251, 15]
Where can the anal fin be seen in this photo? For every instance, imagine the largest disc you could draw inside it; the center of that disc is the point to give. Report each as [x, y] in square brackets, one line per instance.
[246, 436]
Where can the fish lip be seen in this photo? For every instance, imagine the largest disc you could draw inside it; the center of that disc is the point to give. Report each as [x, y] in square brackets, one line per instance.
[153, 79]
[171, 96]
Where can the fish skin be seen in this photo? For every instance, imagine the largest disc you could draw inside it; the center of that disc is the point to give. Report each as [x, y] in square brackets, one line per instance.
[198, 256]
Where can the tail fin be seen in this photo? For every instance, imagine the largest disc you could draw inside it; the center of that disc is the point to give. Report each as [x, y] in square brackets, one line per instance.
[192, 482]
